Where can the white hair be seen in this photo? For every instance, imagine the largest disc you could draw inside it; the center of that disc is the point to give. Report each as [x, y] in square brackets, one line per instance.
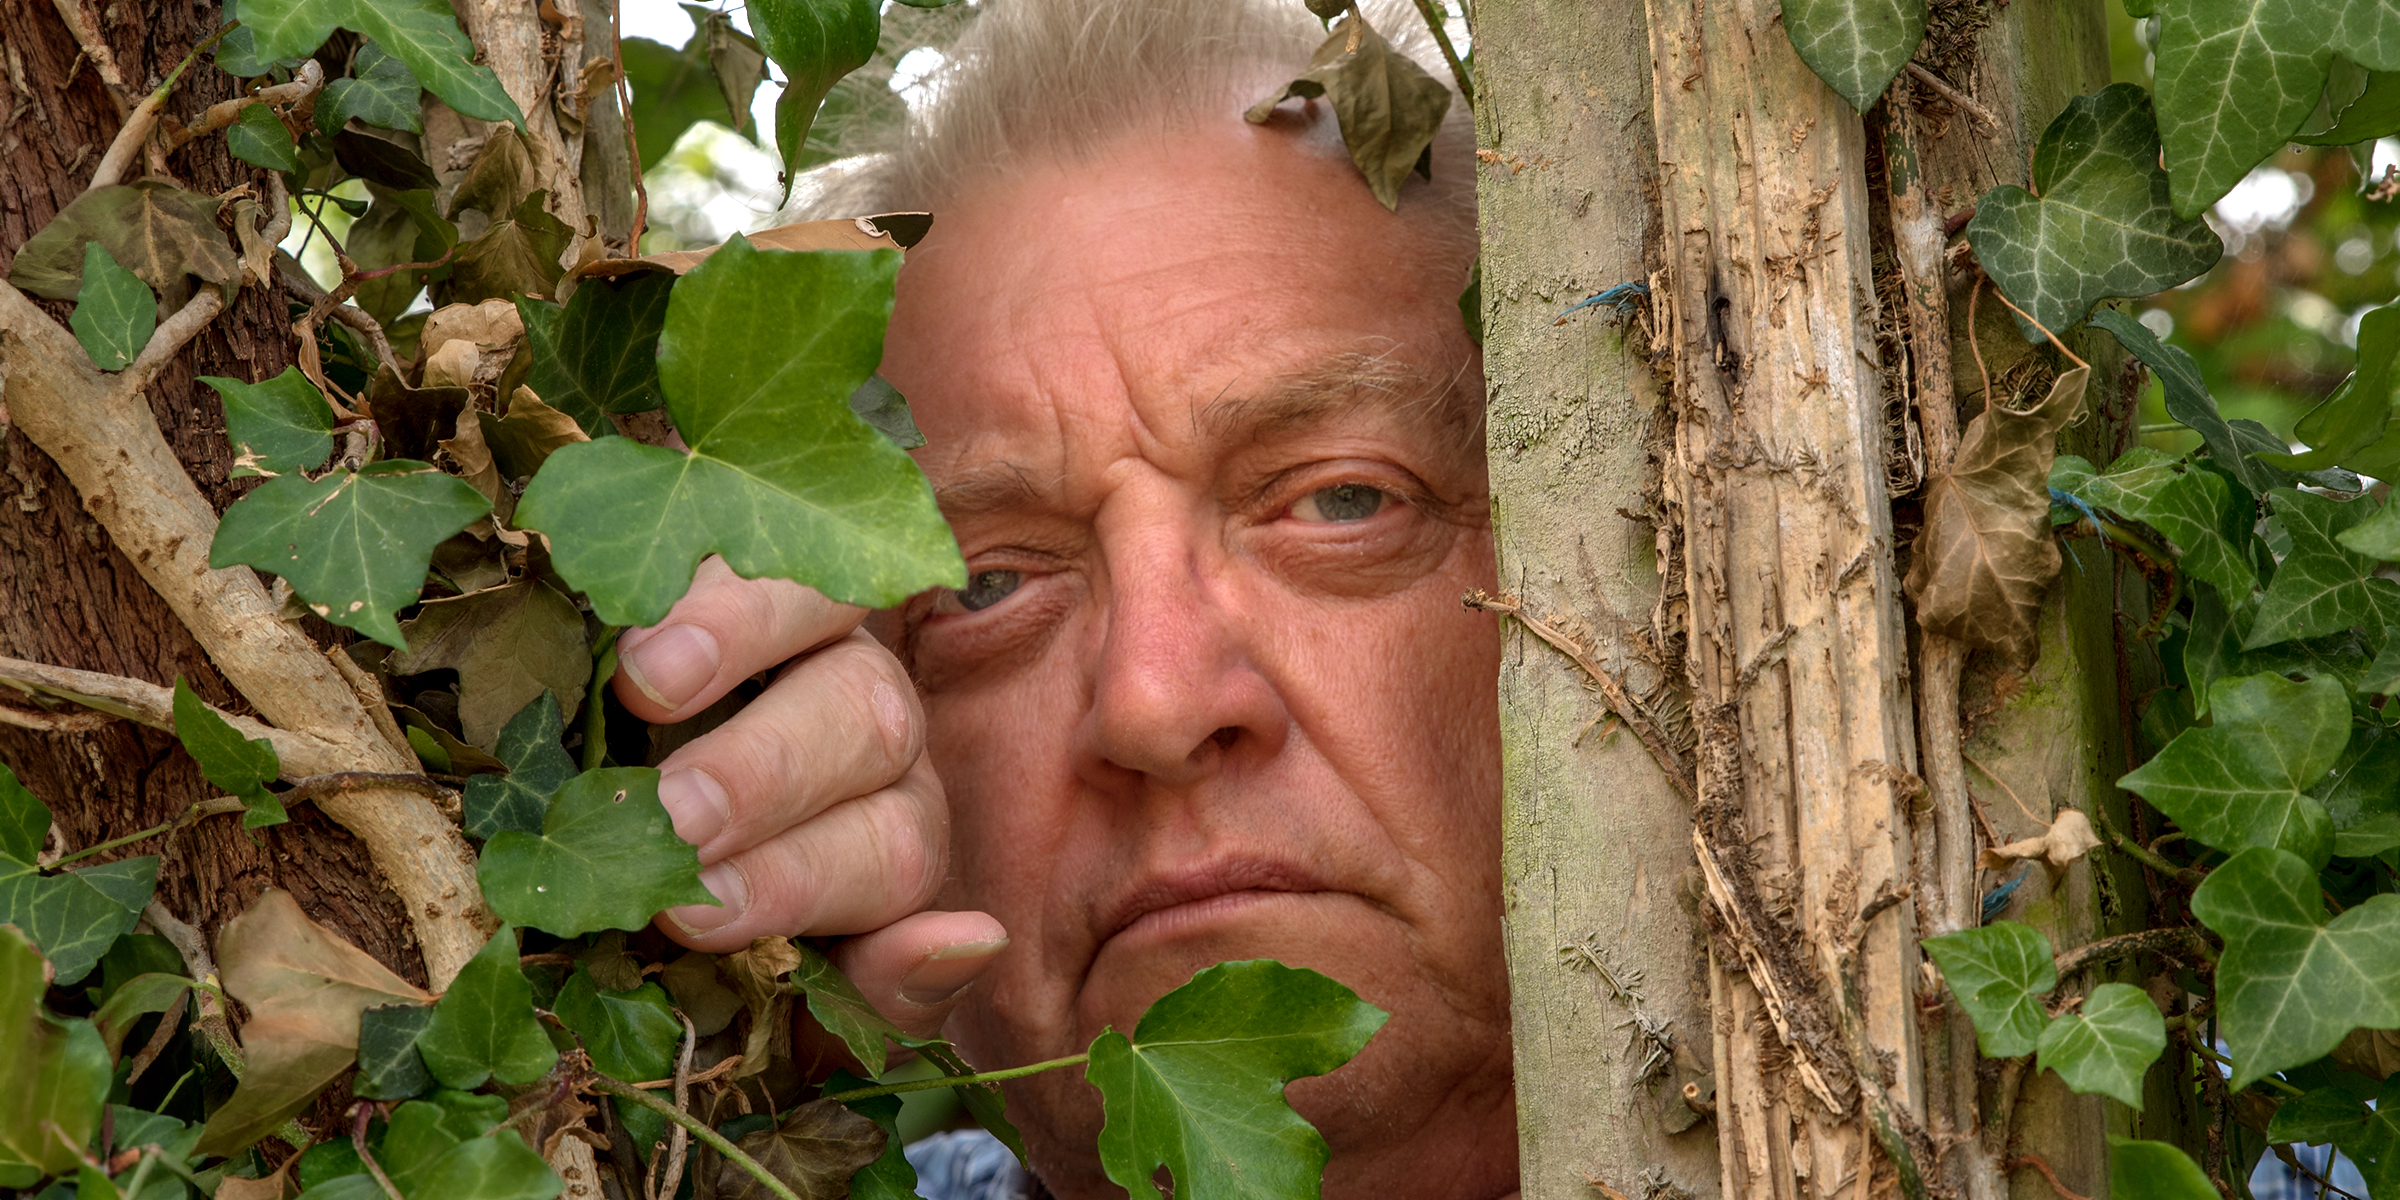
[1049, 81]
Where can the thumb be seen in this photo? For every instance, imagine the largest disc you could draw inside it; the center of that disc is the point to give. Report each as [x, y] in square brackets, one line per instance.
[915, 970]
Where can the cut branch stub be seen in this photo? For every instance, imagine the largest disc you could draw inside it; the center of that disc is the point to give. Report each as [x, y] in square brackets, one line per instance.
[1985, 556]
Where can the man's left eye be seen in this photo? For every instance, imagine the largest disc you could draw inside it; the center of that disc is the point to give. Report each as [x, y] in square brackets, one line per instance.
[1341, 502]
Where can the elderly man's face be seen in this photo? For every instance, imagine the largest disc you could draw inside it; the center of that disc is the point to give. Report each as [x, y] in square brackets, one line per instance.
[1202, 414]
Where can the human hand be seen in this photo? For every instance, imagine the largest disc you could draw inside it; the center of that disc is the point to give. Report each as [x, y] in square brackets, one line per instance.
[814, 808]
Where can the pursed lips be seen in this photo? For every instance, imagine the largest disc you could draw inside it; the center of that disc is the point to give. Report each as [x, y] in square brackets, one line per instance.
[1197, 883]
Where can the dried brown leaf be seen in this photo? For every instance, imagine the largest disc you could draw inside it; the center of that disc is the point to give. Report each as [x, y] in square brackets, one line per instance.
[814, 1152]
[283, 1184]
[2371, 1052]
[305, 988]
[1389, 107]
[413, 420]
[508, 644]
[155, 230]
[757, 976]
[1985, 556]
[693, 981]
[2069, 837]
[491, 325]
[520, 441]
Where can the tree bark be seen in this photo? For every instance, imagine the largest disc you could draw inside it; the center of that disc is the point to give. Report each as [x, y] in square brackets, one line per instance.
[67, 596]
[1598, 865]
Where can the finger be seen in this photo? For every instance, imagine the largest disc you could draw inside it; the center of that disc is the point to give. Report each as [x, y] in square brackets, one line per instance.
[860, 865]
[839, 723]
[723, 631]
[915, 970]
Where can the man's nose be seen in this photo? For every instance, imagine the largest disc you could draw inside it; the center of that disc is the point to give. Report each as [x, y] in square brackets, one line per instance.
[1176, 693]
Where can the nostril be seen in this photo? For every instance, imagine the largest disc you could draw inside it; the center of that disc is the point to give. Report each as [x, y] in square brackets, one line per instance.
[1225, 737]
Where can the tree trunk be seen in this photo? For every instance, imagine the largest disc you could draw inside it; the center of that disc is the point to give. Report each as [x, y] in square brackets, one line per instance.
[67, 596]
[1813, 322]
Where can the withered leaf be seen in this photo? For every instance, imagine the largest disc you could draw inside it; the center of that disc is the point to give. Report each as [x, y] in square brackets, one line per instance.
[814, 1152]
[389, 159]
[757, 976]
[499, 179]
[520, 440]
[609, 964]
[1388, 106]
[155, 230]
[508, 644]
[305, 988]
[1985, 556]
[413, 420]
[515, 257]
[2069, 837]
[692, 981]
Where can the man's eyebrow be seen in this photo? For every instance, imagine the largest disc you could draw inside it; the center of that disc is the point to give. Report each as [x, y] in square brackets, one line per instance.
[989, 488]
[1416, 394]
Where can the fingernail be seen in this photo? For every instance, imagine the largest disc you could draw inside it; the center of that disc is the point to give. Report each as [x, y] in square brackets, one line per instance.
[946, 972]
[726, 883]
[672, 665]
[696, 802]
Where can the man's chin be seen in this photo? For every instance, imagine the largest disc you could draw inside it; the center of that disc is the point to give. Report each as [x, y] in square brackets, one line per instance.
[1334, 933]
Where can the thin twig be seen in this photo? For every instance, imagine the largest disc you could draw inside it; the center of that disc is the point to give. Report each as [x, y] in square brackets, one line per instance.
[199, 966]
[2292, 1160]
[149, 704]
[1983, 116]
[168, 341]
[224, 113]
[2035, 1160]
[699, 1129]
[168, 1022]
[2119, 946]
[299, 281]
[2073, 357]
[633, 145]
[56, 722]
[1975, 298]
[1434, 20]
[946, 1081]
[96, 48]
[2012, 792]
[358, 1141]
[137, 127]
[1668, 761]
[679, 1141]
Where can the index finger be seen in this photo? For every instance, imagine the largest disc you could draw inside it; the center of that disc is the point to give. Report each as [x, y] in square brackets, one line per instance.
[723, 631]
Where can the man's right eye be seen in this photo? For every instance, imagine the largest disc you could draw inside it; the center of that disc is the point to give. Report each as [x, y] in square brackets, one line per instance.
[987, 588]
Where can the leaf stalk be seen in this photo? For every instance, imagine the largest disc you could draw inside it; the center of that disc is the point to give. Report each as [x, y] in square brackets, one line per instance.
[699, 1129]
[919, 1085]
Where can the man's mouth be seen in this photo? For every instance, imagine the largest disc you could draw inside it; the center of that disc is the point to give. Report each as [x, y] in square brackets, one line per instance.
[1198, 893]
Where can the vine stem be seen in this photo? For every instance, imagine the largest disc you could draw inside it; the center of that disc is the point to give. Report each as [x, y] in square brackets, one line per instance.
[699, 1129]
[2200, 1046]
[919, 1085]
[595, 710]
[307, 788]
[1435, 19]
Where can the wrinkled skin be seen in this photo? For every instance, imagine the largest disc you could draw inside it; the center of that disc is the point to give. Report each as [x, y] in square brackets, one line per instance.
[1206, 430]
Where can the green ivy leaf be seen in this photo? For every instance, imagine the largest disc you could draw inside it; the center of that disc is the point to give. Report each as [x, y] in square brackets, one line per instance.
[2362, 797]
[24, 819]
[259, 137]
[380, 91]
[2322, 585]
[2244, 780]
[140, 996]
[2213, 651]
[353, 544]
[1388, 107]
[631, 1035]
[2153, 1171]
[2377, 537]
[282, 424]
[1999, 973]
[712, 78]
[2237, 79]
[1855, 46]
[242, 766]
[75, 917]
[389, 1067]
[600, 353]
[2195, 508]
[1198, 1089]
[426, 1156]
[115, 312]
[2188, 399]
[761, 351]
[816, 42]
[537, 765]
[2109, 1045]
[2373, 113]
[484, 1026]
[2370, 1136]
[842, 1009]
[889, 1177]
[2351, 422]
[2097, 223]
[607, 858]
[2292, 984]
[423, 34]
[54, 1076]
